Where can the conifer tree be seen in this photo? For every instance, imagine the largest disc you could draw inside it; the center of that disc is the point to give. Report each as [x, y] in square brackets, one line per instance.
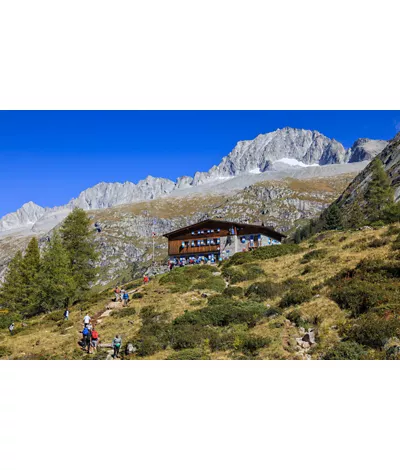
[333, 218]
[29, 271]
[78, 240]
[10, 293]
[355, 217]
[56, 284]
[379, 194]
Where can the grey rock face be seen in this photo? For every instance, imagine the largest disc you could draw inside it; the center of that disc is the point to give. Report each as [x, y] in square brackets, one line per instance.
[248, 156]
[27, 215]
[365, 149]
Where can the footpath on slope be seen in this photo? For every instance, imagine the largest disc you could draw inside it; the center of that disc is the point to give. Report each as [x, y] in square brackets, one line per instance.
[106, 312]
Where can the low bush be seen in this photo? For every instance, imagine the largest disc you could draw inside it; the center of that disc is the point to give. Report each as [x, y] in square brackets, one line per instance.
[378, 242]
[233, 291]
[263, 253]
[273, 312]
[263, 290]
[187, 336]
[314, 254]
[251, 344]
[307, 270]
[137, 295]
[192, 278]
[346, 350]
[359, 296]
[298, 293]
[295, 317]
[194, 354]
[244, 272]
[222, 311]
[374, 330]
[123, 312]
[221, 340]
[148, 345]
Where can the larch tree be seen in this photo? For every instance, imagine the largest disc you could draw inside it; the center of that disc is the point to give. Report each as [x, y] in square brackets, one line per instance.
[78, 240]
[55, 281]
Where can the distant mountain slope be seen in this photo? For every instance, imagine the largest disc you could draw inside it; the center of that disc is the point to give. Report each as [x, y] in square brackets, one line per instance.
[390, 157]
[282, 151]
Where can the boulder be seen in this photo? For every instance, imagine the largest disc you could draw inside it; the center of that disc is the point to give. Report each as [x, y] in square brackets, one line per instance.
[130, 349]
[309, 337]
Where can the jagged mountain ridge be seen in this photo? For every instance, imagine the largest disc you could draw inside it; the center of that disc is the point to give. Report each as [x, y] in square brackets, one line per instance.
[277, 149]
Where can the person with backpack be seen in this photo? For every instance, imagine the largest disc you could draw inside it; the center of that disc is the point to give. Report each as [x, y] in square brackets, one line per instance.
[145, 279]
[125, 298]
[95, 338]
[117, 292]
[85, 337]
[116, 344]
[66, 314]
[11, 328]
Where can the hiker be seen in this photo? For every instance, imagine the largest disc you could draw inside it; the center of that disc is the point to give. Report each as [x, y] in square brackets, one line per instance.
[85, 337]
[66, 314]
[171, 265]
[86, 320]
[95, 338]
[11, 328]
[117, 292]
[116, 344]
[89, 339]
[145, 279]
[125, 298]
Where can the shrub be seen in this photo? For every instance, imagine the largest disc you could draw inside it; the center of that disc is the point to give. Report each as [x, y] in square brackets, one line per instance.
[295, 317]
[307, 270]
[273, 312]
[221, 340]
[263, 253]
[192, 278]
[123, 312]
[374, 330]
[263, 290]
[137, 295]
[148, 346]
[233, 291]
[298, 293]
[314, 254]
[251, 344]
[347, 350]
[378, 242]
[222, 311]
[396, 243]
[55, 316]
[187, 336]
[187, 355]
[358, 296]
[244, 272]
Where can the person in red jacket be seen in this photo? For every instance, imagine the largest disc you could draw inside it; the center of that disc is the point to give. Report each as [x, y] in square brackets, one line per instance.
[145, 279]
[95, 338]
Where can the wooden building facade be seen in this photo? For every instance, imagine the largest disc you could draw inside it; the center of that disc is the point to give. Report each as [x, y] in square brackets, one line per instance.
[214, 240]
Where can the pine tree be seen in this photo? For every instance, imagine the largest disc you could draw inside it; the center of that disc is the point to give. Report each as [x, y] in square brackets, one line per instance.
[333, 218]
[379, 194]
[55, 282]
[78, 240]
[355, 217]
[13, 285]
[30, 270]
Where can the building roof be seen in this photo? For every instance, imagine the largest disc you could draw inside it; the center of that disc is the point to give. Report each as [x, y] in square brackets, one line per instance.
[227, 224]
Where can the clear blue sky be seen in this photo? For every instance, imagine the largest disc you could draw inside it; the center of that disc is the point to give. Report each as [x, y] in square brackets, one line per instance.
[51, 156]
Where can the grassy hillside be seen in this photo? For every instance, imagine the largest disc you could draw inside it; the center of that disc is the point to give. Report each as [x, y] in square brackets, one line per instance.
[339, 289]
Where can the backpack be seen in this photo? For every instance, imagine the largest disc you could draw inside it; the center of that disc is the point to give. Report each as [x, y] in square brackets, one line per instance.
[85, 332]
[95, 335]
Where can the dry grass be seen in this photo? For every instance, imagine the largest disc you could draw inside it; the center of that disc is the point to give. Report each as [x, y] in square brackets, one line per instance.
[45, 338]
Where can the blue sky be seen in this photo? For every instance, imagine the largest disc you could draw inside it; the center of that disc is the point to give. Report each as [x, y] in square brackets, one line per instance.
[51, 156]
